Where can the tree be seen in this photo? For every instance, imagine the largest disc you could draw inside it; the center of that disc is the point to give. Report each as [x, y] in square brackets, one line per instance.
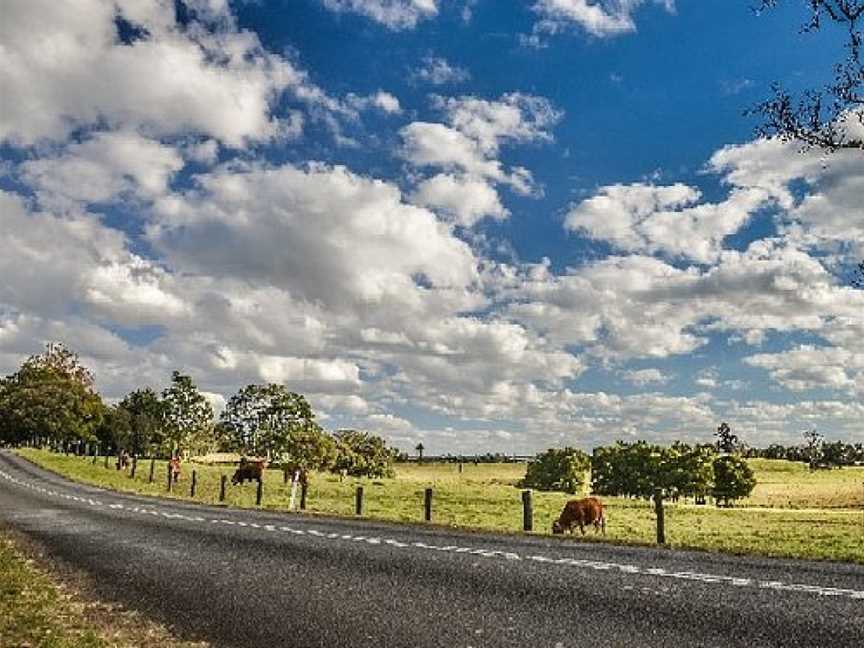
[187, 417]
[561, 469]
[858, 279]
[307, 448]
[733, 479]
[115, 431]
[814, 442]
[652, 472]
[146, 413]
[824, 117]
[726, 440]
[51, 397]
[273, 422]
[260, 418]
[361, 454]
[419, 448]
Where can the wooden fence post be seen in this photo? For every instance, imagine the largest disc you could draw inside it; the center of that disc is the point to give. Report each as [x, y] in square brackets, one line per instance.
[661, 522]
[303, 487]
[527, 511]
[461, 467]
[134, 467]
[106, 458]
[170, 477]
[193, 484]
[152, 469]
[222, 481]
[358, 501]
[427, 505]
[259, 492]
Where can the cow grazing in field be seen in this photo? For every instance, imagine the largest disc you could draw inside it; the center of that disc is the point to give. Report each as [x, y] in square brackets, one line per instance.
[174, 465]
[251, 470]
[581, 513]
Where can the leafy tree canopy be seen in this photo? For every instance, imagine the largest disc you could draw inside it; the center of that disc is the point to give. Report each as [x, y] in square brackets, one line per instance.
[146, 413]
[362, 454]
[563, 469]
[733, 479]
[643, 470]
[274, 422]
[50, 396]
[187, 417]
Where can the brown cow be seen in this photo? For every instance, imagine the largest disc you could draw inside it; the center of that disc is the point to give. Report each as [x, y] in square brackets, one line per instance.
[581, 513]
[174, 467]
[251, 470]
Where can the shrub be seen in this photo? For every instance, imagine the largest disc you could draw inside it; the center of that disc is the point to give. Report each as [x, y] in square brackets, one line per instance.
[562, 469]
[733, 479]
[361, 454]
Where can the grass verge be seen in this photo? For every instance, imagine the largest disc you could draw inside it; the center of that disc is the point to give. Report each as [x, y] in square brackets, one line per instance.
[44, 606]
[793, 513]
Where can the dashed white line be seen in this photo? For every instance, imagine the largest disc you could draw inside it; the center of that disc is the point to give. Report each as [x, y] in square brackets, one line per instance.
[485, 553]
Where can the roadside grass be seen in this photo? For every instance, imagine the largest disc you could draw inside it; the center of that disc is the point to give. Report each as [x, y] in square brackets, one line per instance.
[792, 513]
[39, 611]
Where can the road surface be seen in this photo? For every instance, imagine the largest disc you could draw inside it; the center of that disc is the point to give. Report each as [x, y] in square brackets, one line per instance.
[253, 578]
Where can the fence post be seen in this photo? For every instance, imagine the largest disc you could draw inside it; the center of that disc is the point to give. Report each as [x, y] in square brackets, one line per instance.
[259, 492]
[222, 481]
[427, 505]
[152, 469]
[461, 467]
[527, 511]
[358, 501]
[303, 487]
[170, 477]
[106, 458]
[661, 522]
[134, 466]
[193, 484]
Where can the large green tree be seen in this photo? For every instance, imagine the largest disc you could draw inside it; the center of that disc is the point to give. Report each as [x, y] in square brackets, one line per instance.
[733, 479]
[187, 417]
[563, 469]
[146, 415]
[51, 397]
[272, 421]
[653, 472]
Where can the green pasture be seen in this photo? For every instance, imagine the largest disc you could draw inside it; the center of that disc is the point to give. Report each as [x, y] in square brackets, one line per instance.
[793, 512]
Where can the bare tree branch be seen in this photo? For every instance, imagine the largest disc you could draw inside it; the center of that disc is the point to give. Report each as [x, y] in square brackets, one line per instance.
[820, 118]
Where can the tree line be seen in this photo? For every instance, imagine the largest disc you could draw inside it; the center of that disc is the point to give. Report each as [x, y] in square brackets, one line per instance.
[52, 401]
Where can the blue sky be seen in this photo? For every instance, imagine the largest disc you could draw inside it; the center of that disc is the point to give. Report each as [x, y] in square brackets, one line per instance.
[481, 224]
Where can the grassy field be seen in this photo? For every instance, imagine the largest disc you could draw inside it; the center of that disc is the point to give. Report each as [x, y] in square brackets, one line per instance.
[38, 611]
[792, 512]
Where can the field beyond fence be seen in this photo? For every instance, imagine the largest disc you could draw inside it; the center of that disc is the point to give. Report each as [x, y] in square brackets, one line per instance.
[793, 512]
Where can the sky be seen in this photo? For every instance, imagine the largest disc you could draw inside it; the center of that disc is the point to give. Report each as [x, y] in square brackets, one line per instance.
[483, 225]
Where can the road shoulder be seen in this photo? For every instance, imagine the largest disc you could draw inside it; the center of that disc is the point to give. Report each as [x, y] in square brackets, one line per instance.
[44, 602]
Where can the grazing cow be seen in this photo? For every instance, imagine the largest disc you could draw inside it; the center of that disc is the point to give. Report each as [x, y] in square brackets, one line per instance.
[581, 513]
[174, 466]
[251, 470]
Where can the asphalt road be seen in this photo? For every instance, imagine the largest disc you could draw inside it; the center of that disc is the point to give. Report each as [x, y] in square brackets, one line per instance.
[252, 578]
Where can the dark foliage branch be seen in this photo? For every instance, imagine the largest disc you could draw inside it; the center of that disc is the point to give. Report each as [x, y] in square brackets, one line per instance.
[819, 118]
[858, 279]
